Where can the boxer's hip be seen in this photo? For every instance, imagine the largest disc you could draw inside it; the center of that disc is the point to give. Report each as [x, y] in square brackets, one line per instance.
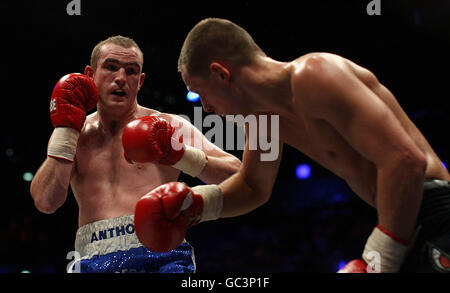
[111, 245]
[431, 249]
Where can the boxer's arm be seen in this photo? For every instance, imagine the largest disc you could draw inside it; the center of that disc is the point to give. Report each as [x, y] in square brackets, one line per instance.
[370, 127]
[163, 215]
[50, 184]
[72, 96]
[249, 186]
[252, 186]
[220, 165]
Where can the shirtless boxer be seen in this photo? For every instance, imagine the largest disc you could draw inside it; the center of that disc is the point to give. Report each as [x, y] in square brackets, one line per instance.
[340, 115]
[87, 153]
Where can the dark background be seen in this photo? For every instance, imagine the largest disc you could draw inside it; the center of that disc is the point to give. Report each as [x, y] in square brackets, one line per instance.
[308, 225]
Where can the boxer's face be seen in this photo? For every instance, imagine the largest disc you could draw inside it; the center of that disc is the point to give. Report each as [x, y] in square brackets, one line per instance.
[118, 75]
[216, 96]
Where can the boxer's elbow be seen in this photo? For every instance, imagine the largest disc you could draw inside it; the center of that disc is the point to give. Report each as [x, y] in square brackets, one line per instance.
[219, 169]
[45, 202]
[234, 165]
[263, 197]
[43, 206]
[409, 163]
[260, 196]
[415, 163]
[260, 190]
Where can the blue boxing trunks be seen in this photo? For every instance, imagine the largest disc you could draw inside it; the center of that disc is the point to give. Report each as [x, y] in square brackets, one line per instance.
[111, 246]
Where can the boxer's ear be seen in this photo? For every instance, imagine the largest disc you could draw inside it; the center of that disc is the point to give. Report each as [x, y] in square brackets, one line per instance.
[221, 71]
[141, 80]
[89, 71]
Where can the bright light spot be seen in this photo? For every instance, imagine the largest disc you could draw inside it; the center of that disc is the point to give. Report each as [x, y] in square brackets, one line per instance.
[303, 171]
[192, 97]
[27, 176]
[25, 272]
[445, 166]
[341, 264]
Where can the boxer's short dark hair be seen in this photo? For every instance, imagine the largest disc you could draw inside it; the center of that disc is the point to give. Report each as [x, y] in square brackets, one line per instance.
[215, 39]
[117, 40]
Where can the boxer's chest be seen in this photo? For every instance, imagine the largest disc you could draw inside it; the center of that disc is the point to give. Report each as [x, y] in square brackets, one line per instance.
[321, 142]
[102, 159]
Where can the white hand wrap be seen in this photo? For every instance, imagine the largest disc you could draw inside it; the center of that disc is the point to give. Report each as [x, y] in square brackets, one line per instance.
[212, 201]
[192, 162]
[63, 143]
[383, 254]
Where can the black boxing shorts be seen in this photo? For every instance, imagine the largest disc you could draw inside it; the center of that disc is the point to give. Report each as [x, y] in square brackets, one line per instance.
[430, 252]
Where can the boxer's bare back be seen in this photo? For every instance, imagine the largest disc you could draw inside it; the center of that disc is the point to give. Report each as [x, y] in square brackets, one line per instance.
[309, 127]
[337, 113]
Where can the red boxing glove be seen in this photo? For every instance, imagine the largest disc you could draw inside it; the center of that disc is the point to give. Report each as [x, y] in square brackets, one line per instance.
[161, 217]
[149, 139]
[355, 266]
[73, 95]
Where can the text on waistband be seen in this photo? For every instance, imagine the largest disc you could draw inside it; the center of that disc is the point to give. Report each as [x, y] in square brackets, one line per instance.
[112, 232]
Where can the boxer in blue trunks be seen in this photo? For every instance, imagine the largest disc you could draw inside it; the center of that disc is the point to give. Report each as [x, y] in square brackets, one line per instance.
[86, 153]
[111, 246]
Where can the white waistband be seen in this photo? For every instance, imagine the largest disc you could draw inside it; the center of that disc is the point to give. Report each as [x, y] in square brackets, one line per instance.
[105, 236]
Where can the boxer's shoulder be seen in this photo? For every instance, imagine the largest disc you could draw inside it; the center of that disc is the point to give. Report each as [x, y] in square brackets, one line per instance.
[174, 119]
[326, 67]
[316, 77]
[91, 124]
[144, 111]
[317, 64]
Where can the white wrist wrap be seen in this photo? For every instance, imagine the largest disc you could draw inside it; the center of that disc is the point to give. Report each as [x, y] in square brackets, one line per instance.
[212, 201]
[383, 254]
[63, 143]
[192, 162]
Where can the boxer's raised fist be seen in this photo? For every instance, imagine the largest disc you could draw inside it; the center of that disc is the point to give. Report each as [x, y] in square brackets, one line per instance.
[149, 139]
[72, 96]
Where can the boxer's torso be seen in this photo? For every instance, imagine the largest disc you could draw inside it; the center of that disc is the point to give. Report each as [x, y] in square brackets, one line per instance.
[320, 141]
[105, 185]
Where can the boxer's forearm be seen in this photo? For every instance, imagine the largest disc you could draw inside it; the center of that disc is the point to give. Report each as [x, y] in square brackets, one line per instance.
[399, 195]
[50, 185]
[252, 186]
[219, 169]
[240, 198]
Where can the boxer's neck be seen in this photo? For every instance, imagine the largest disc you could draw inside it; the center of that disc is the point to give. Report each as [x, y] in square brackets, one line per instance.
[267, 86]
[113, 120]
